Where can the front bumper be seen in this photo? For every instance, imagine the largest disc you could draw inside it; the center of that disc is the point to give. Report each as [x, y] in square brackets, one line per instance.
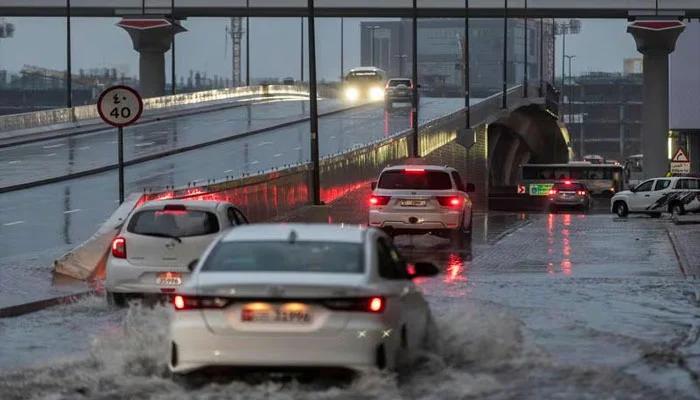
[354, 347]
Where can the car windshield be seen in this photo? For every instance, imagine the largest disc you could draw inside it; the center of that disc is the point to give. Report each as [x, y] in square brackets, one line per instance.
[416, 179]
[173, 223]
[363, 77]
[397, 82]
[324, 257]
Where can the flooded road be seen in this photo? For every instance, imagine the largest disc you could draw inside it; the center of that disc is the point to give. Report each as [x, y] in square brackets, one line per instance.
[565, 306]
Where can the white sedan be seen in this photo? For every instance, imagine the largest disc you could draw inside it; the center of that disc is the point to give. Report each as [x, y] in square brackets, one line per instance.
[159, 240]
[295, 295]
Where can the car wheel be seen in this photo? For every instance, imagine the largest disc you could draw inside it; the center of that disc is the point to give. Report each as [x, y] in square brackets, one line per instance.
[381, 357]
[621, 209]
[116, 299]
[677, 209]
[469, 229]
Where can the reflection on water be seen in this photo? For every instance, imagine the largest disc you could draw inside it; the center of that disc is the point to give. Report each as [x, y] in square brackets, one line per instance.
[559, 243]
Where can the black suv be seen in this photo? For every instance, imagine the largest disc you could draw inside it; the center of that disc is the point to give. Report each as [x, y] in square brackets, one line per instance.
[398, 90]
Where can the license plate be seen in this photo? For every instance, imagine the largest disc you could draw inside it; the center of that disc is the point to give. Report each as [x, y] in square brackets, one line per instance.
[413, 203]
[292, 313]
[169, 279]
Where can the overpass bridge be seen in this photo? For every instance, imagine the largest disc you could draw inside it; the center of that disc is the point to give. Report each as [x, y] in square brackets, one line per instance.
[357, 8]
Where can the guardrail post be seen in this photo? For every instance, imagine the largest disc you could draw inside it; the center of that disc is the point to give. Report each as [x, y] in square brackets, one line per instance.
[313, 108]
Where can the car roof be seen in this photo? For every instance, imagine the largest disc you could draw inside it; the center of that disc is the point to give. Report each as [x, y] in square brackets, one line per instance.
[301, 232]
[419, 166]
[206, 205]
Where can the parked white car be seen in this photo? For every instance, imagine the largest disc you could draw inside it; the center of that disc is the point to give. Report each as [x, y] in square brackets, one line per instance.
[152, 251]
[418, 199]
[295, 295]
[676, 195]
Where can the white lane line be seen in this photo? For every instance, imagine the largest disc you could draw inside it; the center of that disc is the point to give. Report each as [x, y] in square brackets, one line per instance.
[13, 223]
[72, 211]
[54, 146]
[227, 171]
[14, 162]
[50, 154]
[84, 148]
[265, 144]
[114, 142]
[144, 144]
[255, 162]
[332, 137]
[296, 148]
[278, 155]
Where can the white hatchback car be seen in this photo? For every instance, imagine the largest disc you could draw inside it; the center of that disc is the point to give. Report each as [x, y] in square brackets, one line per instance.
[417, 199]
[295, 295]
[159, 240]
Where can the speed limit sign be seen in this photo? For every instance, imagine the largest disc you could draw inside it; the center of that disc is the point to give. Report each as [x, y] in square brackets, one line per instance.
[119, 106]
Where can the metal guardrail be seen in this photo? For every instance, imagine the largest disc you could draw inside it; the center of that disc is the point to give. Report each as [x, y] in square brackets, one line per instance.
[47, 118]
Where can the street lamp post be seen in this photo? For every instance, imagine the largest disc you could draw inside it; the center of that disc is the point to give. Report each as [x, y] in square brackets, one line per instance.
[402, 58]
[301, 57]
[69, 72]
[342, 49]
[504, 103]
[526, 31]
[247, 43]
[467, 86]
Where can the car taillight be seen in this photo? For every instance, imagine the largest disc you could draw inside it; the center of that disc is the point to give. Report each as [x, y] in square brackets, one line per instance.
[552, 192]
[119, 247]
[379, 200]
[374, 304]
[449, 201]
[182, 303]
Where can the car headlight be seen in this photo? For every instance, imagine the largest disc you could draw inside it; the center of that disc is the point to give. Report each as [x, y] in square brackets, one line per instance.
[376, 93]
[352, 94]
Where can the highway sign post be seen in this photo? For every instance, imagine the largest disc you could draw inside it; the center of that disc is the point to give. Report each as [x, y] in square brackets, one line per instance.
[680, 163]
[120, 106]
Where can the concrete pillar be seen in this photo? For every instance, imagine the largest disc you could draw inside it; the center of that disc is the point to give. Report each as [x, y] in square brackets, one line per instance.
[151, 38]
[655, 40]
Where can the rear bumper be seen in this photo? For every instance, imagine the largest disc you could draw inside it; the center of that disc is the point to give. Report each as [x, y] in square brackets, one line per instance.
[415, 221]
[577, 201]
[354, 347]
[123, 277]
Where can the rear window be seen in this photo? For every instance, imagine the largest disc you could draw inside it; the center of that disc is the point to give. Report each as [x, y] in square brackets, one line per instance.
[571, 186]
[397, 82]
[179, 223]
[415, 180]
[688, 184]
[324, 257]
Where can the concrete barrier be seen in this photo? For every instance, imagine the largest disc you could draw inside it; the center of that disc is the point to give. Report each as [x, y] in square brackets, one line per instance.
[63, 118]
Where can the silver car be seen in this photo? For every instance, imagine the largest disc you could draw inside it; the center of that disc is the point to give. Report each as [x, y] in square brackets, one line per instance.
[159, 240]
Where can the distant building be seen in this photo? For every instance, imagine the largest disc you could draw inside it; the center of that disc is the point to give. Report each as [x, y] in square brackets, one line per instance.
[603, 112]
[387, 45]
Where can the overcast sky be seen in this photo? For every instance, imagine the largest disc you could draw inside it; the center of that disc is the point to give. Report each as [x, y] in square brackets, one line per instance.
[97, 42]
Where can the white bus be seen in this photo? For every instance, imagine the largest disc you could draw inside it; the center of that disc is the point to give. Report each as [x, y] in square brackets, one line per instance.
[600, 179]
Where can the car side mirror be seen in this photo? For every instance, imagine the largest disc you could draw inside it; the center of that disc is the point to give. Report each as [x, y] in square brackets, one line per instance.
[470, 187]
[373, 185]
[192, 264]
[425, 269]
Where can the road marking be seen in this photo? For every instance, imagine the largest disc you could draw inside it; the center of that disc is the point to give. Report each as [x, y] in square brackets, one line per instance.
[84, 148]
[332, 137]
[54, 146]
[144, 144]
[254, 162]
[227, 171]
[297, 148]
[278, 155]
[72, 211]
[15, 162]
[50, 154]
[265, 144]
[13, 223]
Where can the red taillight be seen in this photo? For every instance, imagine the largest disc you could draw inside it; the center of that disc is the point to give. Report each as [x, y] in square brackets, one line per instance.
[552, 192]
[119, 247]
[567, 182]
[379, 200]
[449, 201]
[193, 303]
[376, 304]
[414, 170]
